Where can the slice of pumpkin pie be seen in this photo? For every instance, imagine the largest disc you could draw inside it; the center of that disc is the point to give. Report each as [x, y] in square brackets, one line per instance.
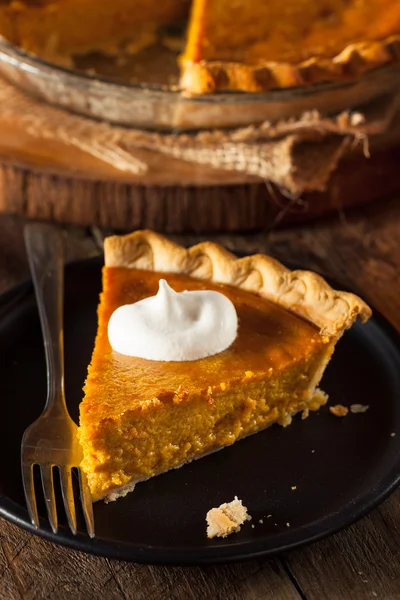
[196, 349]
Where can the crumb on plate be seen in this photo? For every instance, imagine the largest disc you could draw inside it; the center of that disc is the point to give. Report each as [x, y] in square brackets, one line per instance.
[305, 413]
[294, 487]
[226, 519]
[339, 410]
[359, 408]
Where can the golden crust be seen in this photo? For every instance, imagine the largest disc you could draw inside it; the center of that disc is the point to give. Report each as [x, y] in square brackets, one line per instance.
[303, 293]
[226, 518]
[211, 76]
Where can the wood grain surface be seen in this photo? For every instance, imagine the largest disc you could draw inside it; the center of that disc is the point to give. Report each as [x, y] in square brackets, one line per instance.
[39, 191]
[361, 249]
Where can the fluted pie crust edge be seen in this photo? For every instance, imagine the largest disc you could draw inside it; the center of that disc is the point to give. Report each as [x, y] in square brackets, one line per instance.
[352, 62]
[303, 293]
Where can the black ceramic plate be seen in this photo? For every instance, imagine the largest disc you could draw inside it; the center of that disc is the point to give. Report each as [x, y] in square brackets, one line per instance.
[341, 468]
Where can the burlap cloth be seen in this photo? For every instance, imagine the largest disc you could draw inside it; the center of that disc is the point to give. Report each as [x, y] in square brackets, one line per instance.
[297, 155]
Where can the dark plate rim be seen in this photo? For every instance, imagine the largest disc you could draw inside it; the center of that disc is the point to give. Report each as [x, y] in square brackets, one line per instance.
[221, 553]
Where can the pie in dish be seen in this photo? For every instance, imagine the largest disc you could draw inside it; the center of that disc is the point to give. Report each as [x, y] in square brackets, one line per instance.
[254, 45]
[248, 45]
[143, 417]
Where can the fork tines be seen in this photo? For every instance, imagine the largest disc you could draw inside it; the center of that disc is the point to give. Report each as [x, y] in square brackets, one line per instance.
[67, 491]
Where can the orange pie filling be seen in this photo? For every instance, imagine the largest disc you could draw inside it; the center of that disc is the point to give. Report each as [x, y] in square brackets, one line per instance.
[290, 31]
[254, 46]
[56, 29]
[141, 417]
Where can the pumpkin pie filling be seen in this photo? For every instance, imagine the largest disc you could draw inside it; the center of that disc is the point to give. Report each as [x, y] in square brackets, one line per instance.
[284, 44]
[143, 417]
[58, 29]
[289, 31]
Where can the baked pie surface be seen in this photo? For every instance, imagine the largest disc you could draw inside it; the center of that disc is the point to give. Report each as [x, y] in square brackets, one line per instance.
[57, 29]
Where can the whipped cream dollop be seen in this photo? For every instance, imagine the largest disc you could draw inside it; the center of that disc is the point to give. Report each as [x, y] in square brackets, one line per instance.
[174, 326]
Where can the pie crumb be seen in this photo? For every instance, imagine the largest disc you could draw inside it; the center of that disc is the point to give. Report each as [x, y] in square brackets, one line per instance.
[359, 408]
[294, 487]
[287, 524]
[261, 521]
[226, 519]
[339, 410]
[305, 413]
[392, 434]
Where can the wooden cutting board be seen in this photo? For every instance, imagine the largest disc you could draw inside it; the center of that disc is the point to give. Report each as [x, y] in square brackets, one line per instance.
[50, 179]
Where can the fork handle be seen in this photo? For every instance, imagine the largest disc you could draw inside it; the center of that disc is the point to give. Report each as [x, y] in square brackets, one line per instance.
[44, 246]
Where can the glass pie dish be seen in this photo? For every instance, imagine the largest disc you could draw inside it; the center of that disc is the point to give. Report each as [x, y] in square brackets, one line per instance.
[157, 106]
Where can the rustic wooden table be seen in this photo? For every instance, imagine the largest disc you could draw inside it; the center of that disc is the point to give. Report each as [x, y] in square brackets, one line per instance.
[362, 562]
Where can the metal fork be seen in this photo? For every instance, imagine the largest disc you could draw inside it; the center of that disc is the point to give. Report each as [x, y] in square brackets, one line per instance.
[51, 441]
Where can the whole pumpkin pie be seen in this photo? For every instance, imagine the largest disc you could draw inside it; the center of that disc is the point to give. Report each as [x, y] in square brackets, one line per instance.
[141, 417]
[247, 45]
